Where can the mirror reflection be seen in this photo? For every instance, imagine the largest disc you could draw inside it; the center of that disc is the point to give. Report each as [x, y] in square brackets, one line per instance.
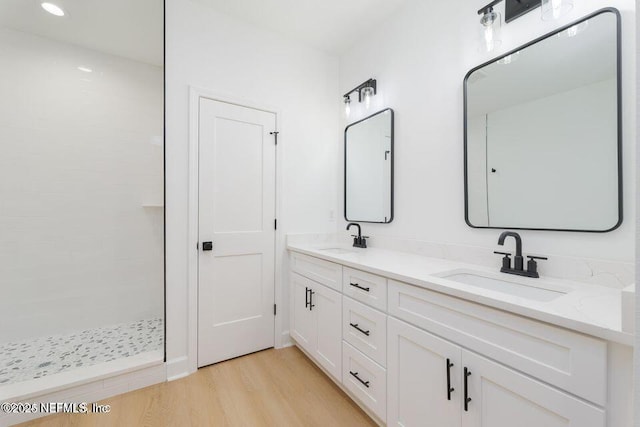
[368, 169]
[542, 133]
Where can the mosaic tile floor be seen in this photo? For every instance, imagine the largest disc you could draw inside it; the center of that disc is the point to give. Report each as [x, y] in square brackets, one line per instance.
[36, 358]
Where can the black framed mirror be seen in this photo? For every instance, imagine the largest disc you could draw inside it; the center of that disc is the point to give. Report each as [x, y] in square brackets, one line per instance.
[543, 132]
[368, 169]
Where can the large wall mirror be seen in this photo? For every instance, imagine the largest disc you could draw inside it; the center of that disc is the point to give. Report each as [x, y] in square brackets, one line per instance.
[368, 169]
[543, 132]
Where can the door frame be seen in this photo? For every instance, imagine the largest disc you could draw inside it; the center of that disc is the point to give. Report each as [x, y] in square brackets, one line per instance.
[195, 93]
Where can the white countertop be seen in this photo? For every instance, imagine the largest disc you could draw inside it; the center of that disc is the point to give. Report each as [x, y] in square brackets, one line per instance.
[590, 309]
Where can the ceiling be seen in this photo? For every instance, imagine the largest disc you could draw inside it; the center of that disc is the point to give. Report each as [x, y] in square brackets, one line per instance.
[129, 28]
[330, 25]
[133, 28]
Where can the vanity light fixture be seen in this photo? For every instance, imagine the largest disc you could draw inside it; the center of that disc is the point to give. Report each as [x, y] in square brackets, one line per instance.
[365, 91]
[513, 9]
[85, 69]
[52, 9]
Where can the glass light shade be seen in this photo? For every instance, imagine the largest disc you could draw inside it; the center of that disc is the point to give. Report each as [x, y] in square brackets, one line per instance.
[555, 9]
[490, 31]
[367, 93]
[347, 106]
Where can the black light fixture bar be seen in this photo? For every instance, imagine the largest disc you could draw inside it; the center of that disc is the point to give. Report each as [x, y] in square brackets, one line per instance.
[513, 9]
[372, 83]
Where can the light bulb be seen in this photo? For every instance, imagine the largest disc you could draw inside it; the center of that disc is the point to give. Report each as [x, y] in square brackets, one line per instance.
[53, 9]
[367, 93]
[347, 106]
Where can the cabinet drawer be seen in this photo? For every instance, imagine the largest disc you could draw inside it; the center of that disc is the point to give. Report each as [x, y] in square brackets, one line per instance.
[568, 360]
[365, 379]
[365, 287]
[365, 329]
[325, 272]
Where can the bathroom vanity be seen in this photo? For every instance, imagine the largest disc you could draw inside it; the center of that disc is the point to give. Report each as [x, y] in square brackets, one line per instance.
[427, 341]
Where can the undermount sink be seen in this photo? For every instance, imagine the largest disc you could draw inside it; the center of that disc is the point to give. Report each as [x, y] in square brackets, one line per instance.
[540, 291]
[338, 251]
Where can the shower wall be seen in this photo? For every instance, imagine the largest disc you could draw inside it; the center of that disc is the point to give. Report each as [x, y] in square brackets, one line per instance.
[81, 188]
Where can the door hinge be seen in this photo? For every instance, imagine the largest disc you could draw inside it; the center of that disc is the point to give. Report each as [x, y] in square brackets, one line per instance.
[275, 310]
[275, 135]
[275, 224]
[197, 246]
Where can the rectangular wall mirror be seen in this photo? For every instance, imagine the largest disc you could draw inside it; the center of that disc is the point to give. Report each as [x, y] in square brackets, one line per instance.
[543, 132]
[368, 169]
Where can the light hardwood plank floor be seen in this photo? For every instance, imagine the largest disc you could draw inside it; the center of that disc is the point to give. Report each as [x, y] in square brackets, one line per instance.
[268, 388]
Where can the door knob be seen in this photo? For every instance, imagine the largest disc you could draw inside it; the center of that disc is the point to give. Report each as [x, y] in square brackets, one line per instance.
[207, 246]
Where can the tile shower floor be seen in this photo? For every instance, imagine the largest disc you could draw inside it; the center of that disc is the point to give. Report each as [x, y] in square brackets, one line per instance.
[36, 358]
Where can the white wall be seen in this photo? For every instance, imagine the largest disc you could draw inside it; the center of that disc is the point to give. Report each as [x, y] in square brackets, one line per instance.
[420, 57]
[209, 50]
[77, 249]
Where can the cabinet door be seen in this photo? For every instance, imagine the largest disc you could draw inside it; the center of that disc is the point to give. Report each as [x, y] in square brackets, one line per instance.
[327, 309]
[302, 320]
[417, 387]
[501, 397]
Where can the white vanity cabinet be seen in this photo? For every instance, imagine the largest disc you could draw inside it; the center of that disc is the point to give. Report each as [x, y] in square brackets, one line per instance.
[402, 352]
[426, 387]
[316, 322]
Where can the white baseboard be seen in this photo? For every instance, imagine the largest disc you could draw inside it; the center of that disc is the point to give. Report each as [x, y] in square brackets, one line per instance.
[286, 340]
[177, 368]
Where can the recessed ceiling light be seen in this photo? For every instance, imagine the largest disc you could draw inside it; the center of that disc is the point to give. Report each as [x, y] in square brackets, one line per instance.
[85, 69]
[53, 9]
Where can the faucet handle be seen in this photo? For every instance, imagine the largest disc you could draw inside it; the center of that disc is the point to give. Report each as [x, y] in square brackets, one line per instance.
[532, 265]
[506, 261]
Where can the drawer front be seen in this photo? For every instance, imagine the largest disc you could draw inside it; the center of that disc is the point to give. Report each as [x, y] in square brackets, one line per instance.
[365, 287]
[365, 329]
[325, 272]
[568, 360]
[365, 379]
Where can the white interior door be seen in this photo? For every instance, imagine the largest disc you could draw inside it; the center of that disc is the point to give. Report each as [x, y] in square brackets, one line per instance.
[237, 160]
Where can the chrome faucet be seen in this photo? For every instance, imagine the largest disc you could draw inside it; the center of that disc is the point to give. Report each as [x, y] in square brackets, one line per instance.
[518, 263]
[359, 241]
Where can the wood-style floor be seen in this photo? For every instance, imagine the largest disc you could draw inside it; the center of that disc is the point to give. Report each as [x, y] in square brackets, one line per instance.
[269, 388]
